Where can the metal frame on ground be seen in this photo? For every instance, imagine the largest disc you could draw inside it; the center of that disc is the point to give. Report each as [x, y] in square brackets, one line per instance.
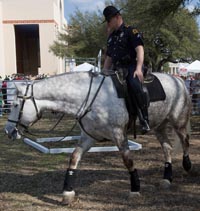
[37, 145]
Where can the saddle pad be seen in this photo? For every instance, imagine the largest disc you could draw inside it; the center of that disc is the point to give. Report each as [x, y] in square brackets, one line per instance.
[155, 89]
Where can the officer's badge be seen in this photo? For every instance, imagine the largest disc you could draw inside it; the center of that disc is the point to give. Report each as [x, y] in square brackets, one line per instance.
[135, 31]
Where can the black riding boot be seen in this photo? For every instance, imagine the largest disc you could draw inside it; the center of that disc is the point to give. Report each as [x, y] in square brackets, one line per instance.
[142, 107]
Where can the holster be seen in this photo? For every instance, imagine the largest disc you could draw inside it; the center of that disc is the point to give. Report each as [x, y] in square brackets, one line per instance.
[121, 74]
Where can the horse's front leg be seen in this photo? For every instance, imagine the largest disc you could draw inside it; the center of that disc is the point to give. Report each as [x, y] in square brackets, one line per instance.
[134, 177]
[84, 145]
[123, 146]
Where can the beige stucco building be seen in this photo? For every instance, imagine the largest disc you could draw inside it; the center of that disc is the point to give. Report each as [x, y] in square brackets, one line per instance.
[27, 29]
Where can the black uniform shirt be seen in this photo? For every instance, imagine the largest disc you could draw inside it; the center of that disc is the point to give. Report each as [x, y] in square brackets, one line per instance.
[121, 45]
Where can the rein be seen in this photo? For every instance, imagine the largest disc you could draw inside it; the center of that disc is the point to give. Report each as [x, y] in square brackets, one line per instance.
[82, 111]
[89, 108]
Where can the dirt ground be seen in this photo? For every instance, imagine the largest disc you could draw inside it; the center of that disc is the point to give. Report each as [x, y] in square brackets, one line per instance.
[32, 181]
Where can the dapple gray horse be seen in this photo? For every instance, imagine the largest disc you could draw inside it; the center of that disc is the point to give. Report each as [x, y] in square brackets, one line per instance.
[93, 100]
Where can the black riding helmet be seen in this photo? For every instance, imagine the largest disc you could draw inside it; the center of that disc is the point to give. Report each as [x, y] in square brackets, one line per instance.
[109, 12]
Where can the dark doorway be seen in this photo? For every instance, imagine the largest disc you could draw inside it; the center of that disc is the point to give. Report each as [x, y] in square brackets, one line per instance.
[27, 48]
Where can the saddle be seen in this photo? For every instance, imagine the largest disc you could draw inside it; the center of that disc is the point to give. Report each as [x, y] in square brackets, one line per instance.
[154, 89]
[151, 86]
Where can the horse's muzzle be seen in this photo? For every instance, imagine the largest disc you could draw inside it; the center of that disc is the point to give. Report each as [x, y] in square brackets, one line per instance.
[12, 132]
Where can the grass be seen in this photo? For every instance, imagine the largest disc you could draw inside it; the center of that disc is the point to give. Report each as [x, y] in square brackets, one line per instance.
[32, 181]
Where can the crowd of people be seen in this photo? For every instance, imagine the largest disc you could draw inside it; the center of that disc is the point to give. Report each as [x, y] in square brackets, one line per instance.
[192, 83]
[19, 76]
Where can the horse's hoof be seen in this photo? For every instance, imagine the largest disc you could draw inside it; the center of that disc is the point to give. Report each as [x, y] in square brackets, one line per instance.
[165, 184]
[187, 165]
[68, 197]
[134, 194]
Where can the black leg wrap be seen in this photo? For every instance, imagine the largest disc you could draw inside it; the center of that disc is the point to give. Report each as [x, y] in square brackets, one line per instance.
[187, 165]
[168, 171]
[135, 181]
[69, 180]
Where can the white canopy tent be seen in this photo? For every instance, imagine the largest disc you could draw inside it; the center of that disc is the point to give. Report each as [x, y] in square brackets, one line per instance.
[85, 67]
[194, 67]
[182, 68]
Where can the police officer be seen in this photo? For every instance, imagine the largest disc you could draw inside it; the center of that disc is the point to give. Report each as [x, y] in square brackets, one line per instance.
[125, 50]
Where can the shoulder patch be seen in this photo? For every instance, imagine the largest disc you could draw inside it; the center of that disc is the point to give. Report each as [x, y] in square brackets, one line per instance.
[135, 31]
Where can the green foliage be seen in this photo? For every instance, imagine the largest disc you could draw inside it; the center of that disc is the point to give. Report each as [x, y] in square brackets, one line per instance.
[179, 39]
[84, 36]
[170, 31]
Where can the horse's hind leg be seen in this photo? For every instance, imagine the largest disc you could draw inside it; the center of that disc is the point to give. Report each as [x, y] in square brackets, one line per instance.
[184, 138]
[161, 134]
[84, 145]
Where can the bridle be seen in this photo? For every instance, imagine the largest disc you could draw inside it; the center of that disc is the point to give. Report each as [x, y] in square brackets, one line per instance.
[82, 111]
[24, 98]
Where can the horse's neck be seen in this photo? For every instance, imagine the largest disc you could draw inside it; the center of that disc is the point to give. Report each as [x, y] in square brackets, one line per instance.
[64, 94]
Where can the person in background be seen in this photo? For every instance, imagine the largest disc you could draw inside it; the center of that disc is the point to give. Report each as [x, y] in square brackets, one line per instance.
[4, 92]
[125, 50]
[1, 102]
